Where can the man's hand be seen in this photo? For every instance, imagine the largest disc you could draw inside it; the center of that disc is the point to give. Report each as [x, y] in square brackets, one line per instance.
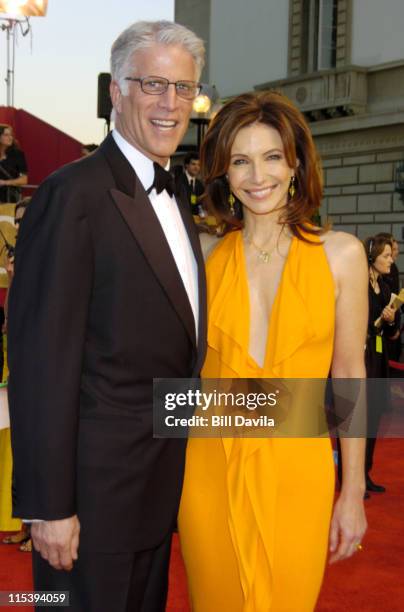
[57, 541]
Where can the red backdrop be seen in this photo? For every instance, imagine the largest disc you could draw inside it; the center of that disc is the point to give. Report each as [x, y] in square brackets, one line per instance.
[46, 148]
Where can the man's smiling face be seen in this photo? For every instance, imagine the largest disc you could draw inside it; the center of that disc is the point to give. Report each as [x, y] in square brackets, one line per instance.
[155, 124]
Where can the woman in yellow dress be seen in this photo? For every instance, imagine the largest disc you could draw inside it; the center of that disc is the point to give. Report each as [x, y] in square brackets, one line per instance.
[285, 300]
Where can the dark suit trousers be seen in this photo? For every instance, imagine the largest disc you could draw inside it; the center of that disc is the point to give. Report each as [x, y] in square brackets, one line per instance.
[106, 582]
[373, 423]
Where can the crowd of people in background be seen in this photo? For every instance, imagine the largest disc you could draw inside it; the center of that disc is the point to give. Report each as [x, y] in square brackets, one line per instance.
[13, 176]
[22, 537]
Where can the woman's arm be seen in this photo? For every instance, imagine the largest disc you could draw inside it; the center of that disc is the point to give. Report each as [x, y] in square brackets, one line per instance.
[15, 174]
[350, 271]
[208, 243]
[14, 182]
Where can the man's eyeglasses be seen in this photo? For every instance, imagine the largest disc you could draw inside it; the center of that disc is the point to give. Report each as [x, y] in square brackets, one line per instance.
[155, 86]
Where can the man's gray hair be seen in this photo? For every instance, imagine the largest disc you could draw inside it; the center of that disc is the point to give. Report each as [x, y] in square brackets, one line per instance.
[144, 34]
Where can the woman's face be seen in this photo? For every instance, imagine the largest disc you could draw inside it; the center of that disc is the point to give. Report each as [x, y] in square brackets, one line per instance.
[382, 263]
[258, 174]
[6, 138]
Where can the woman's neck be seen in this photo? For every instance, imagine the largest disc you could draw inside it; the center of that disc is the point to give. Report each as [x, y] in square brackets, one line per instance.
[374, 276]
[264, 230]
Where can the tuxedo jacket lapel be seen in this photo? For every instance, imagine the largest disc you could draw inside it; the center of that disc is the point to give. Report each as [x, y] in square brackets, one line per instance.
[189, 224]
[147, 231]
[135, 208]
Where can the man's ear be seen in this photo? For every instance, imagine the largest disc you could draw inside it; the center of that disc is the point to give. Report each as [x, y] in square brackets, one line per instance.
[116, 96]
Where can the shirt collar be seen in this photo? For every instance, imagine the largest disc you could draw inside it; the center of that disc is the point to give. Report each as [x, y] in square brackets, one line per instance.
[142, 165]
[189, 177]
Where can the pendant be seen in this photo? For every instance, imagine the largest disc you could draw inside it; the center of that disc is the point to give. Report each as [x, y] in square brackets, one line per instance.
[264, 256]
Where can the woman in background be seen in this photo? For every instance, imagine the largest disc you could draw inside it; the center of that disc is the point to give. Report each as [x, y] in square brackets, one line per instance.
[379, 253]
[13, 167]
[392, 279]
[285, 300]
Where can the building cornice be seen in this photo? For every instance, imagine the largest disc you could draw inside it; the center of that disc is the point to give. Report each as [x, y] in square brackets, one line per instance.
[358, 122]
[326, 94]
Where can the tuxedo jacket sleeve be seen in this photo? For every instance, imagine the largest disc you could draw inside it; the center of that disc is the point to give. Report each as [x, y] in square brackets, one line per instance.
[48, 308]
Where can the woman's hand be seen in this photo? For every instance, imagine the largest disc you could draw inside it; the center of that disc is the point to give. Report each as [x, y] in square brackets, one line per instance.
[348, 526]
[388, 314]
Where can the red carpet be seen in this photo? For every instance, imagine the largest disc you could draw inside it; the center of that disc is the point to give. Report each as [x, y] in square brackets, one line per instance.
[372, 581]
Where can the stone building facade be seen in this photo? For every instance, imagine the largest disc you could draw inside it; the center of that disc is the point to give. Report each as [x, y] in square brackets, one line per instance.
[345, 71]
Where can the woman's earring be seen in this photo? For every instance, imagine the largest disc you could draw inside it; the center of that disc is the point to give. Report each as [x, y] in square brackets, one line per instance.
[292, 188]
[232, 201]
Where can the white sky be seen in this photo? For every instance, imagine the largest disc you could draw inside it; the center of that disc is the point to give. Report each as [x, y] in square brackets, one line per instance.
[57, 81]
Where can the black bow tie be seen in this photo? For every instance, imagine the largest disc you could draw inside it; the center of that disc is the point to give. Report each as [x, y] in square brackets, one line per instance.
[162, 180]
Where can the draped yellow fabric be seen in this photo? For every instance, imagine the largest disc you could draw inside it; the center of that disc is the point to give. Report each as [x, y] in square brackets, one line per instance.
[255, 513]
[7, 523]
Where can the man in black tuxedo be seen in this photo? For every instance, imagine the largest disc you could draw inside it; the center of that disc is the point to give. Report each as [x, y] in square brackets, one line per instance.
[189, 181]
[109, 292]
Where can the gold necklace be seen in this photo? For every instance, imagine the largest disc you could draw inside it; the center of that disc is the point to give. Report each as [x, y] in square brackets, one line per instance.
[263, 255]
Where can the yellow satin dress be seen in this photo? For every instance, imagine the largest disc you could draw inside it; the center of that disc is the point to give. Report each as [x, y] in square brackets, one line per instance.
[255, 512]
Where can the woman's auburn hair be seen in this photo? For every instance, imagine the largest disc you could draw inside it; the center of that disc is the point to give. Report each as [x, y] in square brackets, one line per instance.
[276, 111]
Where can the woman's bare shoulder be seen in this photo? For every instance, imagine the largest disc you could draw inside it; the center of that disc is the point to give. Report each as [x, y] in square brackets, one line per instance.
[208, 243]
[347, 260]
[342, 246]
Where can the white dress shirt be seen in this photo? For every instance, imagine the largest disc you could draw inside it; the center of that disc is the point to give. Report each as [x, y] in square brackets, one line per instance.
[169, 216]
[191, 180]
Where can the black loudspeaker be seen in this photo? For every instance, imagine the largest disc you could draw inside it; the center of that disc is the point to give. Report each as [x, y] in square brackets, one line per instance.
[104, 104]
